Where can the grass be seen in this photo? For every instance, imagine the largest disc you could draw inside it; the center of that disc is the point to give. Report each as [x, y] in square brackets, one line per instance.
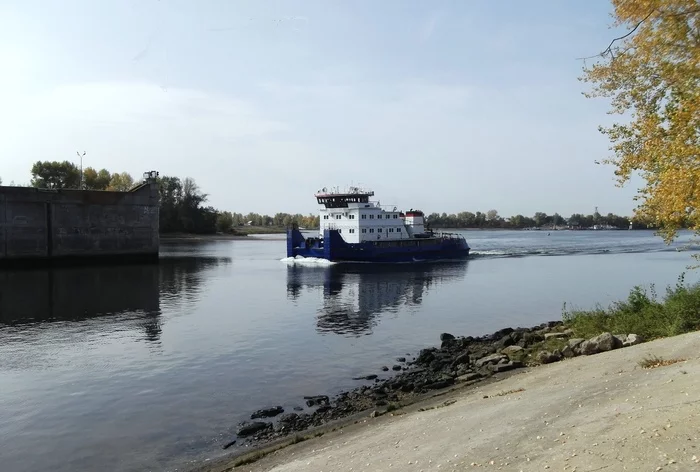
[652, 362]
[643, 313]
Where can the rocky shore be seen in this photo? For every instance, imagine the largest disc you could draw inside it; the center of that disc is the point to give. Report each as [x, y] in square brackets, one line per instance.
[458, 360]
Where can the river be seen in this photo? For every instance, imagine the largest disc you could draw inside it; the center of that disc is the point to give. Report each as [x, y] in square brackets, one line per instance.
[151, 367]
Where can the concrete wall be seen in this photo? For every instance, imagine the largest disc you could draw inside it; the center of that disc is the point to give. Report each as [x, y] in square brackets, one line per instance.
[54, 224]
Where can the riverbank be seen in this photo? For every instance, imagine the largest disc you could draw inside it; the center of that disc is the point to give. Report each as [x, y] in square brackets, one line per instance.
[468, 362]
[615, 411]
[180, 237]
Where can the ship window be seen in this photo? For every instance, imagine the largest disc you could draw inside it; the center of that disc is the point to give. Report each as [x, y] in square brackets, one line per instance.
[340, 230]
[352, 230]
[396, 216]
[391, 230]
[379, 217]
[352, 217]
[371, 217]
[371, 230]
[364, 217]
[337, 217]
[364, 230]
[398, 230]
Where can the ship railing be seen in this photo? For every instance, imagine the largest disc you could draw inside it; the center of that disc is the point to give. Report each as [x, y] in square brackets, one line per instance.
[448, 235]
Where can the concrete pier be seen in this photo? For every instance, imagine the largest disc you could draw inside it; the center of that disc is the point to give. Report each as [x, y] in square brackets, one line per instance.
[40, 225]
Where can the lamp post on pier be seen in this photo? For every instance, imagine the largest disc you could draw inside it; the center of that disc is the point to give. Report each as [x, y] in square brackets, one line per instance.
[81, 167]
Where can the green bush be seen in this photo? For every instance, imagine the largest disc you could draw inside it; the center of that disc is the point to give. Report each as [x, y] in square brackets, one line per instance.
[642, 313]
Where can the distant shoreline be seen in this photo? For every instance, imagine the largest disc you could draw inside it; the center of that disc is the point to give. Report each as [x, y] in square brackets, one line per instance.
[205, 237]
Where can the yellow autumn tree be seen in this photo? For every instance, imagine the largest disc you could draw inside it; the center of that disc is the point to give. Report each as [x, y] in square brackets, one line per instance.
[652, 76]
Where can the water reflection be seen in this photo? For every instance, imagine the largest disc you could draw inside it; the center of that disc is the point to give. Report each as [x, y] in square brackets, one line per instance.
[121, 297]
[354, 295]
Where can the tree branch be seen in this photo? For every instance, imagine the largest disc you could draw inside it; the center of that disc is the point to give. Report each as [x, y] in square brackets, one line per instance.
[609, 50]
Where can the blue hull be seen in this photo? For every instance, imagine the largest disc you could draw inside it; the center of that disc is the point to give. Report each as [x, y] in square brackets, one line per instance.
[334, 248]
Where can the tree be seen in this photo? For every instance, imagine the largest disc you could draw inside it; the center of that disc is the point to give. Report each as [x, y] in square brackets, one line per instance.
[540, 218]
[94, 180]
[55, 175]
[224, 222]
[121, 182]
[651, 75]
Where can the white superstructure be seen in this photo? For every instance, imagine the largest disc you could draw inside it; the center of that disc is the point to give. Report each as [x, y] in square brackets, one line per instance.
[358, 219]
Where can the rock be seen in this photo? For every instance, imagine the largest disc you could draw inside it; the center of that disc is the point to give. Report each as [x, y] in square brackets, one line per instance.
[632, 339]
[554, 336]
[426, 356]
[316, 400]
[289, 418]
[267, 412]
[298, 408]
[530, 338]
[546, 357]
[439, 384]
[396, 367]
[385, 368]
[502, 367]
[229, 444]
[400, 359]
[567, 351]
[249, 428]
[601, 343]
[492, 359]
[505, 341]
[510, 350]
[446, 337]
[498, 335]
[461, 359]
[568, 332]
[469, 377]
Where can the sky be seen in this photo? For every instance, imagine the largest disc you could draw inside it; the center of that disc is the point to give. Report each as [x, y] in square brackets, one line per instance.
[445, 106]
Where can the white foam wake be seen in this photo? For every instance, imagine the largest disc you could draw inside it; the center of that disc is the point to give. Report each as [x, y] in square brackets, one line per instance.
[308, 261]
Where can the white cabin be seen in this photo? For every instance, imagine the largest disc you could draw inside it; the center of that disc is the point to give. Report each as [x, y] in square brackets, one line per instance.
[358, 219]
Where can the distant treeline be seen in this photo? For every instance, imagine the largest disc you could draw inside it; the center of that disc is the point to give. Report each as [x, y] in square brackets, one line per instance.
[491, 219]
[182, 206]
[182, 203]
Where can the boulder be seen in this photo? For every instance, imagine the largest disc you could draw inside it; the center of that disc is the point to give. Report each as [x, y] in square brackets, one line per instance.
[510, 350]
[492, 359]
[267, 412]
[385, 368]
[632, 339]
[461, 359]
[317, 400]
[396, 367]
[567, 351]
[554, 335]
[530, 338]
[439, 384]
[400, 359]
[289, 418]
[546, 357]
[502, 367]
[468, 377]
[505, 341]
[250, 428]
[601, 343]
[446, 337]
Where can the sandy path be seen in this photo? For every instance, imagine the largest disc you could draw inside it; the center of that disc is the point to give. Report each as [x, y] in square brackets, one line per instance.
[602, 412]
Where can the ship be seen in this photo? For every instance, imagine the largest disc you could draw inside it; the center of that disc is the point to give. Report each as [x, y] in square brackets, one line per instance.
[354, 229]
